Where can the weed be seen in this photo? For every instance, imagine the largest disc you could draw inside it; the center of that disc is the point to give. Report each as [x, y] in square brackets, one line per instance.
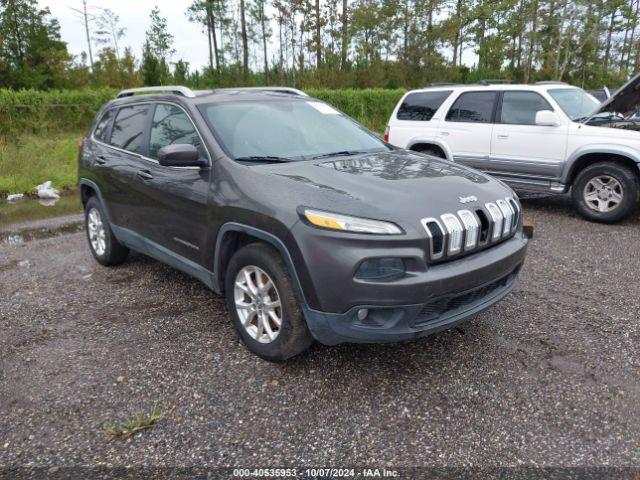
[142, 421]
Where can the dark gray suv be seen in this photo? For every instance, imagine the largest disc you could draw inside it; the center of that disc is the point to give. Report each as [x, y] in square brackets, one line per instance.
[310, 225]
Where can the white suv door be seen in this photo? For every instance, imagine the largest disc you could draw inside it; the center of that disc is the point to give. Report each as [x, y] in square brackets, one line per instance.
[519, 147]
[467, 127]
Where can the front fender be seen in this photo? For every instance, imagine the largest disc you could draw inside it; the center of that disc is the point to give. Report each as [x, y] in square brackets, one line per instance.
[265, 236]
[600, 148]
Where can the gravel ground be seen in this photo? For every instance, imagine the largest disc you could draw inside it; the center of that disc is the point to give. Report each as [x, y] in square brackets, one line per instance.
[549, 377]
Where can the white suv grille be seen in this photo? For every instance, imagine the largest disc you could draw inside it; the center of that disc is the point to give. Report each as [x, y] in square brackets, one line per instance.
[467, 230]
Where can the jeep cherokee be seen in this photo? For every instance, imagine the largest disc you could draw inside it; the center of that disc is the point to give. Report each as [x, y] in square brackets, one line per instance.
[310, 225]
[546, 137]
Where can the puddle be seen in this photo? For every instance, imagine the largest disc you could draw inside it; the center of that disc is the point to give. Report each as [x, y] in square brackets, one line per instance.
[18, 238]
[29, 209]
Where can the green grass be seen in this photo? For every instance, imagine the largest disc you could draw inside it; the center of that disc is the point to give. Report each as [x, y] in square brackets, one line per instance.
[32, 159]
[140, 422]
[32, 154]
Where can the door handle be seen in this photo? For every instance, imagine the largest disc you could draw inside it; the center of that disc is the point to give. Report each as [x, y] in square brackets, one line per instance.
[101, 160]
[145, 174]
[503, 136]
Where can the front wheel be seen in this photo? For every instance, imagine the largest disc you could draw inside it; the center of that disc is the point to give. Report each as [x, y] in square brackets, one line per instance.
[263, 306]
[605, 192]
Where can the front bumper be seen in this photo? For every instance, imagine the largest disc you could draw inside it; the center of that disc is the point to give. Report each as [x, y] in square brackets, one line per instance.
[449, 294]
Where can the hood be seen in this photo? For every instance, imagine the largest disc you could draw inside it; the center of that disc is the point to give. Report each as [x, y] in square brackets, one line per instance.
[625, 101]
[398, 185]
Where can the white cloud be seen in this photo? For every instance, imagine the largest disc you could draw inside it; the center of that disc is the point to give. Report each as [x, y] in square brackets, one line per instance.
[189, 40]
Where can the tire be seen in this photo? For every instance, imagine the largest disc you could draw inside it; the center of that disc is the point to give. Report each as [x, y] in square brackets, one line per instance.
[104, 247]
[605, 192]
[292, 336]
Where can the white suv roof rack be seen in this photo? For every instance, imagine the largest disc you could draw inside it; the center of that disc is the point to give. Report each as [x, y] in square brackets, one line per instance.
[184, 91]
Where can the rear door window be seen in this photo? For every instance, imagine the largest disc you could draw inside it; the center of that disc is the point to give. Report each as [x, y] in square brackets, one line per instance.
[520, 108]
[129, 128]
[172, 126]
[476, 107]
[421, 106]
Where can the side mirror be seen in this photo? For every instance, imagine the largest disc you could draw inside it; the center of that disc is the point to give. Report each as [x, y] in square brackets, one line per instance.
[547, 118]
[180, 155]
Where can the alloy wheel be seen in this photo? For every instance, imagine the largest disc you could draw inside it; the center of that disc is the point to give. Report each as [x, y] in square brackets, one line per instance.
[97, 235]
[603, 193]
[258, 304]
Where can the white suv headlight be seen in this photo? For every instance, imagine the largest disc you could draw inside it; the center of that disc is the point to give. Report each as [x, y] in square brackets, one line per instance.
[346, 223]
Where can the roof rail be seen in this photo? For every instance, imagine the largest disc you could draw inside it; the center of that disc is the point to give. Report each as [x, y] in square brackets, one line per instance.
[443, 84]
[550, 82]
[178, 90]
[290, 90]
[495, 81]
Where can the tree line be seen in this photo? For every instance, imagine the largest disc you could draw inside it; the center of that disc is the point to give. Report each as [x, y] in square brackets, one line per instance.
[333, 43]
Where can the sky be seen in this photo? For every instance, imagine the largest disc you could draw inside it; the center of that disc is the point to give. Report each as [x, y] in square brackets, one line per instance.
[189, 40]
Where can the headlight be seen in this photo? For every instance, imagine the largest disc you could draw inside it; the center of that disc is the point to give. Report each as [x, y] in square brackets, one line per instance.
[345, 223]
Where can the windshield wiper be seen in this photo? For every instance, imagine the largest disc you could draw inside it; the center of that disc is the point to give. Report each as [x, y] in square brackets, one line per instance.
[342, 153]
[263, 158]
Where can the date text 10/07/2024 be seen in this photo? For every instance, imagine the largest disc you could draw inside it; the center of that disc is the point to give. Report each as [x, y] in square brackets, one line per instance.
[316, 472]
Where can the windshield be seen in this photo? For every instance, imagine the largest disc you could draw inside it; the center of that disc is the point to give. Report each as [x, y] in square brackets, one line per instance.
[575, 102]
[287, 130]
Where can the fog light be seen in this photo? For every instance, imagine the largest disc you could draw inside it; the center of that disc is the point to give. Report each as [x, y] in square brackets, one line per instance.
[362, 313]
[380, 269]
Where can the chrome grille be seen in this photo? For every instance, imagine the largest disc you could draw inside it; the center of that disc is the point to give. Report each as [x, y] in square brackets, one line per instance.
[507, 215]
[436, 236]
[496, 220]
[455, 231]
[467, 230]
[471, 227]
[516, 212]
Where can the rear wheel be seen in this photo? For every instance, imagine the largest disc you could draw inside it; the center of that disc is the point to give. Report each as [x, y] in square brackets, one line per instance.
[263, 306]
[103, 245]
[605, 192]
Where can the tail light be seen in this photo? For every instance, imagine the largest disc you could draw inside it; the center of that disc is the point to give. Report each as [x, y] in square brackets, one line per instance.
[80, 144]
[386, 133]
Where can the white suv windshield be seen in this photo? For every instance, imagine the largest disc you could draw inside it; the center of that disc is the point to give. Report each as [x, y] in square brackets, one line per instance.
[287, 129]
[575, 102]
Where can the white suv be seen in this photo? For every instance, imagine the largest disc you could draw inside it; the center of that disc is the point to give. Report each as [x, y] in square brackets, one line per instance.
[547, 136]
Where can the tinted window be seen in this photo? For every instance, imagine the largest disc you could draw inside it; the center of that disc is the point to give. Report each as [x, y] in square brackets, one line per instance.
[128, 129]
[171, 125]
[520, 108]
[103, 125]
[473, 107]
[421, 105]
